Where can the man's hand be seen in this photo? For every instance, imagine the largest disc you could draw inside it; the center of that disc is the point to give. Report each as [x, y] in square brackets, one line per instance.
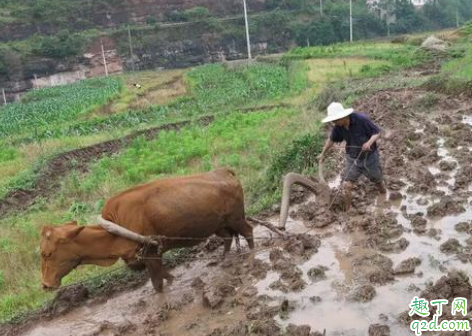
[366, 146]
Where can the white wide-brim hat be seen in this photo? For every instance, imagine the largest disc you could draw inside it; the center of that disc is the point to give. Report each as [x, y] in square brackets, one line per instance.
[337, 111]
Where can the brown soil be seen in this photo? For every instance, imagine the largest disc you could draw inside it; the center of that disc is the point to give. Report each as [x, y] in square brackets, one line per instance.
[451, 286]
[407, 266]
[379, 330]
[363, 293]
[451, 246]
[447, 206]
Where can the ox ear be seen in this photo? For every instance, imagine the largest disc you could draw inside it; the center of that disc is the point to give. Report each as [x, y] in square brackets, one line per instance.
[72, 234]
[46, 231]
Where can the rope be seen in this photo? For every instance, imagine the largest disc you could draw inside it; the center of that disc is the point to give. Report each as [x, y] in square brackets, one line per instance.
[96, 277]
[342, 181]
[234, 256]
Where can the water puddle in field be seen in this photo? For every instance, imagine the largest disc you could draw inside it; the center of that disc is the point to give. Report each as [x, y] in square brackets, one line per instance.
[467, 120]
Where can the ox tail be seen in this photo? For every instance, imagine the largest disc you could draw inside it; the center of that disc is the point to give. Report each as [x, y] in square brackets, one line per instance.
[232, 172]
[224, 171]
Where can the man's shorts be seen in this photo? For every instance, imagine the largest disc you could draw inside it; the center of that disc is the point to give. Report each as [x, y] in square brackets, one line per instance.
[369, 167]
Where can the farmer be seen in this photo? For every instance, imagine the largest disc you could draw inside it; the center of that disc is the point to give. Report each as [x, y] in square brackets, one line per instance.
[362, 156]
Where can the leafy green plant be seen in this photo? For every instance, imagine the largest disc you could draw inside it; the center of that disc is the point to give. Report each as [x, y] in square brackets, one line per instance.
[44, 109]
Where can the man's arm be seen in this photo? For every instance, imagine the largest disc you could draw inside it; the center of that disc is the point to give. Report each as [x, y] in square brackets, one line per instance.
[373, 130]
[329, 143]
[370, 142]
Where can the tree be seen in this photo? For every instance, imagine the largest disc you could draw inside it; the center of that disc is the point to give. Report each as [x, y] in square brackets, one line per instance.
[197, 13]
[386, 11]
[10, 63]
[407, 18]
[61, 45]
[275, 24]
[286, 4]
[319, 32]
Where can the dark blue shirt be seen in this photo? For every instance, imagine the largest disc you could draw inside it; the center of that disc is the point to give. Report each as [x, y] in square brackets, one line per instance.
[361, 129]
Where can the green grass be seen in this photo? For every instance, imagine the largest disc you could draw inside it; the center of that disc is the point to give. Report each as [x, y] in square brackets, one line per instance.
[460, 68]
[399, 55]
[456, 73]
[241, 141]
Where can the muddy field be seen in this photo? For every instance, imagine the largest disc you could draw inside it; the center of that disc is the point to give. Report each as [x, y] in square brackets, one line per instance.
[336, 273]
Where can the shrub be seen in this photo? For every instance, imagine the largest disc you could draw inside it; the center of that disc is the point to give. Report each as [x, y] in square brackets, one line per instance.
[61, 45]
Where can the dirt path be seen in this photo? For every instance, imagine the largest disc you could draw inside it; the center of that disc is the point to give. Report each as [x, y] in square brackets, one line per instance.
[354, 273]
[161, 94]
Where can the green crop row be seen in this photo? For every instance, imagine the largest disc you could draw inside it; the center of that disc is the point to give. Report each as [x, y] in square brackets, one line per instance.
[400, 55]
[44, 109]
[213, 89]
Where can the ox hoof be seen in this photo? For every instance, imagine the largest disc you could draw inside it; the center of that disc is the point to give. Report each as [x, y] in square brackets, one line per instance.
[170, 280]
[159, 289]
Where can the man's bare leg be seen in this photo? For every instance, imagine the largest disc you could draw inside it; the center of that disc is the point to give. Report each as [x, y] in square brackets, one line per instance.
[381, 187]
[347, 191]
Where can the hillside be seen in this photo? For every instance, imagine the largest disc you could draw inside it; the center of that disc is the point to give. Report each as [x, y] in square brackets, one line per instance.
[20, 19]
[56, 42]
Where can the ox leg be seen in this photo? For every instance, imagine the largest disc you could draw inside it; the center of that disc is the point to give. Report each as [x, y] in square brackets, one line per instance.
[246, 232]
[228, 240]
[238, 243]
[169, 277]
[155, 269]
[135, 265]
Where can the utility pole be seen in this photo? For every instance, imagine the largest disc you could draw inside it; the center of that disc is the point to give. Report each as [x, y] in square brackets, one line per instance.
[4, 97]
[247, 31]
[321, 7]
[350, 18]
[131, 48]
[104, 59]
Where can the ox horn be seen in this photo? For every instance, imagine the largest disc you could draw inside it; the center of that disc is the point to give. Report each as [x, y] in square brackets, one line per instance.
[289, 180]
[118, 230]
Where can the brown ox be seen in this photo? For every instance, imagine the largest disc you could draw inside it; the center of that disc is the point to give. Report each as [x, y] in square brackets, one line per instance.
[189, 206]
